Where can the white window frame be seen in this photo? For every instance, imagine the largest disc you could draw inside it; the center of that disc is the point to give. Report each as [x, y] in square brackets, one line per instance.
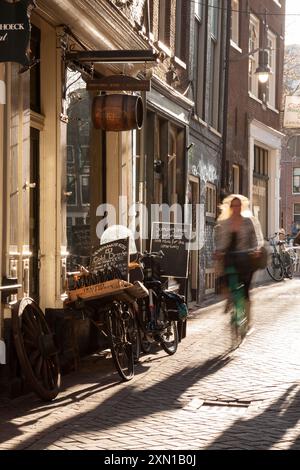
[295, 213]
[211, 200]
[271, 84]
[236, 179]
[298, 175]
[235, 20]
[253, 58]
[199, 9]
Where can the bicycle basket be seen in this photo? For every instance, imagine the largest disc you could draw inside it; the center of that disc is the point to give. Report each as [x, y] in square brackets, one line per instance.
[176, 307]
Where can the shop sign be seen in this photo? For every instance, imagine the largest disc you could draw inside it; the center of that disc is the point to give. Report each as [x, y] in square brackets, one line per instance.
[292, 112]
[15, 31]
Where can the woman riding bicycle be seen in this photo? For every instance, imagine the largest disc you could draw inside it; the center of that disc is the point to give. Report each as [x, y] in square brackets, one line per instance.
[238, 234]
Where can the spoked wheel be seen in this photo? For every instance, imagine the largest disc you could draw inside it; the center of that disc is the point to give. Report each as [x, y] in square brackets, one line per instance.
[134, 338]
[275, 269]
[121, 346]
[35, 349]
[169, 338]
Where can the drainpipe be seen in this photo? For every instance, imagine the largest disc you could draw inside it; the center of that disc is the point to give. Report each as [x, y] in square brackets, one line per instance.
[225, 110]
[142, 174]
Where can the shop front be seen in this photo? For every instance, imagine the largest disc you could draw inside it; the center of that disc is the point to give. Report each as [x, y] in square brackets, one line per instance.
[55, 167]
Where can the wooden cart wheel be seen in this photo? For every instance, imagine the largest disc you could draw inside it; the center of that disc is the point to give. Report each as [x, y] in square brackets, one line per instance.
[35, 349]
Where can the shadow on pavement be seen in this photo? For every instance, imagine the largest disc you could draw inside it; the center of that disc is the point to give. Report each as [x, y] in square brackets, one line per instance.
[125, 406]
[264, 430]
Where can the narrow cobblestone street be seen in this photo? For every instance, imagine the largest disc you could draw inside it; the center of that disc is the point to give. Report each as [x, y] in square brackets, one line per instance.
[203, 397]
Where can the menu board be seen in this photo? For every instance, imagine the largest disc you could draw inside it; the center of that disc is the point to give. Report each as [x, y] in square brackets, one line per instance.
[173, 240]
[114, 255]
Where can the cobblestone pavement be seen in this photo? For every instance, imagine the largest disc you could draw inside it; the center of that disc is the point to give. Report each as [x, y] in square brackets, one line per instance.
[203, 397]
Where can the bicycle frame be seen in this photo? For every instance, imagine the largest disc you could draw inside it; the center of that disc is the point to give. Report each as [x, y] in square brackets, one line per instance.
[239, 322]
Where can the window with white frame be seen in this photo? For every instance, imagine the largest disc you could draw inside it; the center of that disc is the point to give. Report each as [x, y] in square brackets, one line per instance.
[200, 52]
[215, 18]
[235, 21]
[215, 65]
[296, 180]
[164, 22]
[297, 213]
[180, 31]
[271, 84]
[211, 193]
[253, 56]
[198, 9]
[235, 179]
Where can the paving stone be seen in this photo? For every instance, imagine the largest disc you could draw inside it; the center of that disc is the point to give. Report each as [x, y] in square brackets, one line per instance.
[97, 411]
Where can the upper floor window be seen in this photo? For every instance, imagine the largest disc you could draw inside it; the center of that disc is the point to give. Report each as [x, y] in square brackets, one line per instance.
[215, 18]
[236, 179]
[297, 214]
[271, 84]
[235, 21]
[296, 180]
[164, 22]
[200, 53]
[198, 9]
[215, 66]
[180, 31]
[253, 57]
[211, 199]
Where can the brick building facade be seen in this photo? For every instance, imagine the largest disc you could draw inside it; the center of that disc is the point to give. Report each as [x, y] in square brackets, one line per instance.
[253, 141]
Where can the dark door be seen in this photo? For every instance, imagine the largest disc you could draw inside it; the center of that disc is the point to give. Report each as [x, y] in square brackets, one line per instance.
[34, 214]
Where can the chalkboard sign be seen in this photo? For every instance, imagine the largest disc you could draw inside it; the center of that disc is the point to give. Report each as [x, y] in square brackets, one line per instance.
[112, 255]
[173, 240]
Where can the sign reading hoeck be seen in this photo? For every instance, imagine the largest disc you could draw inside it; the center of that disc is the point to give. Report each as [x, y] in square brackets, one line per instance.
[15, 31]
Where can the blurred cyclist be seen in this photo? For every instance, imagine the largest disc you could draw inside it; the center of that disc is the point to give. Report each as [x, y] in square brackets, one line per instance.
[238, 231]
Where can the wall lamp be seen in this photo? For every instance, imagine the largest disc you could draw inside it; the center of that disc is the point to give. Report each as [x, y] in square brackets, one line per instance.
[263, 70]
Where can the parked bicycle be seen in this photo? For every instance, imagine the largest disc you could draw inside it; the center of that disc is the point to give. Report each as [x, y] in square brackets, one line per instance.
[282, 260]
[158, 314]
[108, 302]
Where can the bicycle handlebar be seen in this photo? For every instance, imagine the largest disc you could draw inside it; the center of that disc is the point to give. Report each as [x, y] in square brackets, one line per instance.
[153, 254]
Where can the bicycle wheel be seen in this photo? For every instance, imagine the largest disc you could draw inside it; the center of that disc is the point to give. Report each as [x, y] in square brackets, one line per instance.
[146, 346]
[134, 338]
[35, 349]
[275, 269]
[121, 347]
[169, 338]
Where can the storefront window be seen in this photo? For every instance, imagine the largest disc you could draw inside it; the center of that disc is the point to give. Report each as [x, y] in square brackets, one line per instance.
[78, 171]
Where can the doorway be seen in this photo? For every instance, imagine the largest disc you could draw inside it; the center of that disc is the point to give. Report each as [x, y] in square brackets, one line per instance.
[34, 213]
